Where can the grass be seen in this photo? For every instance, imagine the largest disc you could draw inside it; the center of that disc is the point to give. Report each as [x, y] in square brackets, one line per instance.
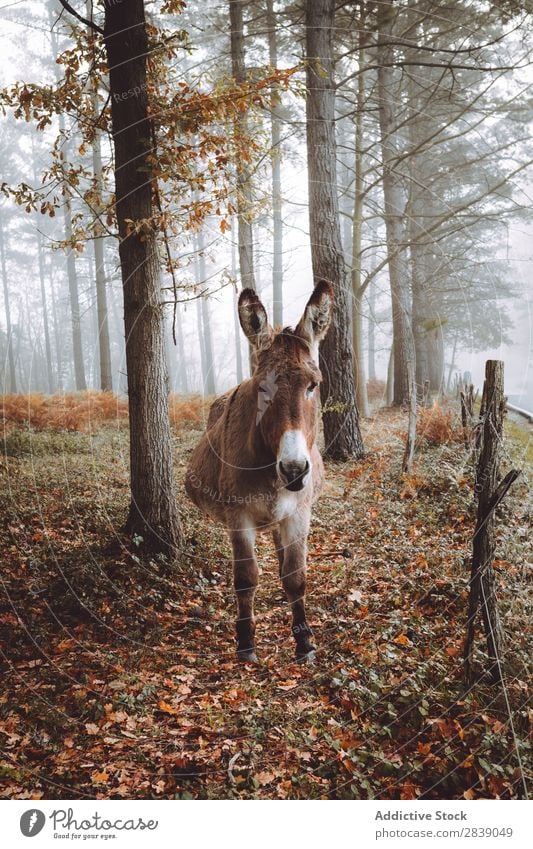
[119, 677]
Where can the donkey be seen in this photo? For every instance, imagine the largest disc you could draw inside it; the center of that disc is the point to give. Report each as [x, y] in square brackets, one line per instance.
[258, 468]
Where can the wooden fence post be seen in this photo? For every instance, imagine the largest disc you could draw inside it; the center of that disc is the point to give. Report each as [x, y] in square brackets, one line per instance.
[489, 493]
[467, 412]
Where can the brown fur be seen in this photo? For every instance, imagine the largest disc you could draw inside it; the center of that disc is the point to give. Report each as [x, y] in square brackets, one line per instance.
[232, 474]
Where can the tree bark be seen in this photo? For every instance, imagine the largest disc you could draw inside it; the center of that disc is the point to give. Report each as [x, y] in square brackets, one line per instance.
[153, 512]
[243, 177]
[204, 322]
[275, 140]
[394, 206]
[339, 410]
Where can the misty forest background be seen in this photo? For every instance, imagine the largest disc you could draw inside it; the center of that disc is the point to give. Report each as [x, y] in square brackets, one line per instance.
[156, 158]
[459, 81]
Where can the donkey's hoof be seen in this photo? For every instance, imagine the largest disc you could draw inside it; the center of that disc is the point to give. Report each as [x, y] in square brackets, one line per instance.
[309, 656]
[247, 656]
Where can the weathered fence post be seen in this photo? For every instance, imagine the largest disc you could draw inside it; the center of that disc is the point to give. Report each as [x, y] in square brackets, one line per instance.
[489, 493]
[467, 412]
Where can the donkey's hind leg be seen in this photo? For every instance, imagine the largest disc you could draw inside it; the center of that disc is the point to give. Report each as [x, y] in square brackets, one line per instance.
[276, 536]
[245, 576]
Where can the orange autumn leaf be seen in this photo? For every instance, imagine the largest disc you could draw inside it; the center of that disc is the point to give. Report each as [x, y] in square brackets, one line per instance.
[166, 708]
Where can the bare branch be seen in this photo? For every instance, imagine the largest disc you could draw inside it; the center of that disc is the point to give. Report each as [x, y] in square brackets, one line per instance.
[91, 24]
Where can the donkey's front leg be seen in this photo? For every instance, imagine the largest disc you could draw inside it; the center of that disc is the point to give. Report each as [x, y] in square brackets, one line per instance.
[245, 576]
[294, 532]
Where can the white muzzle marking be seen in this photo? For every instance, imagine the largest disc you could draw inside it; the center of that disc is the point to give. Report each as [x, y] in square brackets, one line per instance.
[293, 462]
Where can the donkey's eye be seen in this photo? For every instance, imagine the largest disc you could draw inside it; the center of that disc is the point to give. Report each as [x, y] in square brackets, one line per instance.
[310, 389]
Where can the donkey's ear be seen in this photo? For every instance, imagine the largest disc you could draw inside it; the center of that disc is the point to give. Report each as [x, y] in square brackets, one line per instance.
[254, 320]
[314, 323]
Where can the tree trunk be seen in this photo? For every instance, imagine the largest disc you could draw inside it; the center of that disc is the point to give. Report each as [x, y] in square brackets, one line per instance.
[182, 369]
[371, 330]
[104, 348]
[153, 512]
[394, 205]
[277, 220]
[203, 367]
[361, 393]
[339, 411]
[243, 178]
[57, 339]
[74, 300]
[390, 378]
[204, 323]
[435, 347]
[236, 325]
[47, 344]
[358, 287]
[452, 364]
[12, 386]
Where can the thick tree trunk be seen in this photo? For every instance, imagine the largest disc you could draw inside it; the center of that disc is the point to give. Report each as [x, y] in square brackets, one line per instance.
[339, 411]
[394, 205]
[153, 512]
[277, 219]
[12, 385]
[243, 178]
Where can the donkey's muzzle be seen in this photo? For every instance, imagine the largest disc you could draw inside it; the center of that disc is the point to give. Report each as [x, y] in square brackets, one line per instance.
[293, 475]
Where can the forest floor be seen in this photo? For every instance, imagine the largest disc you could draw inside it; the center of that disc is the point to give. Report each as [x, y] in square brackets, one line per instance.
[120, 679]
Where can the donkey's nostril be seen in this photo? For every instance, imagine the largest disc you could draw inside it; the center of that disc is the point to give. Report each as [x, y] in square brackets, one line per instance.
[293, 473]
